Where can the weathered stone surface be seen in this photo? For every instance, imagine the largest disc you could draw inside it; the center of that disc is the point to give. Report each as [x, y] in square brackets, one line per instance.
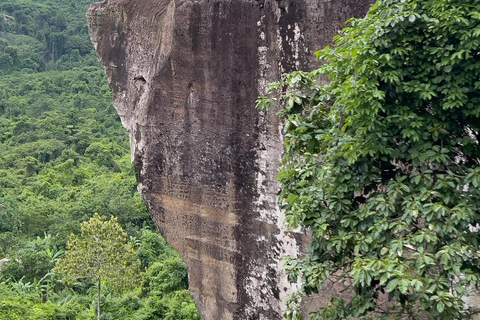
[185, 76]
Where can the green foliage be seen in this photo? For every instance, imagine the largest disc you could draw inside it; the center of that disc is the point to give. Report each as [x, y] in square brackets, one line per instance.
[153, 248]
[45, 34]
[164, 292]
[161, 293]
[32, 261]
[165, 286]
[382, 163]
[30, 306]
[63, 156]
[100, 252]
[167, 276]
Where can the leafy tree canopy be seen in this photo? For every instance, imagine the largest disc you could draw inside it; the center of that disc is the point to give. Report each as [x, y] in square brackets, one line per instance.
[382, 162]
[101, 252]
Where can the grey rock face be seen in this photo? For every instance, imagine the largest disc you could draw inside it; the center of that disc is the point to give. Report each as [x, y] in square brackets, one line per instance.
[185, 76]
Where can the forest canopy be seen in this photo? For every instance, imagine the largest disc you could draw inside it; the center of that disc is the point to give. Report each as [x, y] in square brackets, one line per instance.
[64, 156]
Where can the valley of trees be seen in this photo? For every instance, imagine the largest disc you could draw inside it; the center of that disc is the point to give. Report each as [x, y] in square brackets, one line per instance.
[63, 157]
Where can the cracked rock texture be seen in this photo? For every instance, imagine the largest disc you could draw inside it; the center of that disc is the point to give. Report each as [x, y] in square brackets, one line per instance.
[185, 75]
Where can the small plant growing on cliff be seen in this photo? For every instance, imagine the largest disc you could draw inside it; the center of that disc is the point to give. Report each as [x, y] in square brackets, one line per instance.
[382, 163]
[100, 253]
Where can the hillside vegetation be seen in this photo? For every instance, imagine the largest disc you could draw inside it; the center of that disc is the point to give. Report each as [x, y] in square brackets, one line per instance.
[64, 156]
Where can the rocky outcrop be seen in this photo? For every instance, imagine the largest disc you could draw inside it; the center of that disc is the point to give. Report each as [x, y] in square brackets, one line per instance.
[185, 76]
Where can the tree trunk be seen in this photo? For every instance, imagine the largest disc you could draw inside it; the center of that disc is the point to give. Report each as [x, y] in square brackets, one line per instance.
[98, 302]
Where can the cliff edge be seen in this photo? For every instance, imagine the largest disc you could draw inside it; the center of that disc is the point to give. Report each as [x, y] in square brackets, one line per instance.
[185, 75]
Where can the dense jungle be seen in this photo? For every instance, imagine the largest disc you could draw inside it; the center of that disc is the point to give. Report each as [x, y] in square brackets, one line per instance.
[64, 156]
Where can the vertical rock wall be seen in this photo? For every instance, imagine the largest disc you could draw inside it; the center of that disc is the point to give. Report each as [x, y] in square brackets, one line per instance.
[185, 76]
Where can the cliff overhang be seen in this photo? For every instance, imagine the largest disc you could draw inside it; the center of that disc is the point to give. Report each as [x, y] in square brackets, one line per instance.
[185, 75]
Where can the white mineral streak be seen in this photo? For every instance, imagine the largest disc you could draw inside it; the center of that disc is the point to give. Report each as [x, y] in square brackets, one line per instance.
[267, 158]
[269, 154]
[264, 66]
[296, 46]
[263, 69]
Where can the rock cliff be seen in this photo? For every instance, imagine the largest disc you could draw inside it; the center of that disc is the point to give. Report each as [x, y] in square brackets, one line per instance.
[185, 75]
